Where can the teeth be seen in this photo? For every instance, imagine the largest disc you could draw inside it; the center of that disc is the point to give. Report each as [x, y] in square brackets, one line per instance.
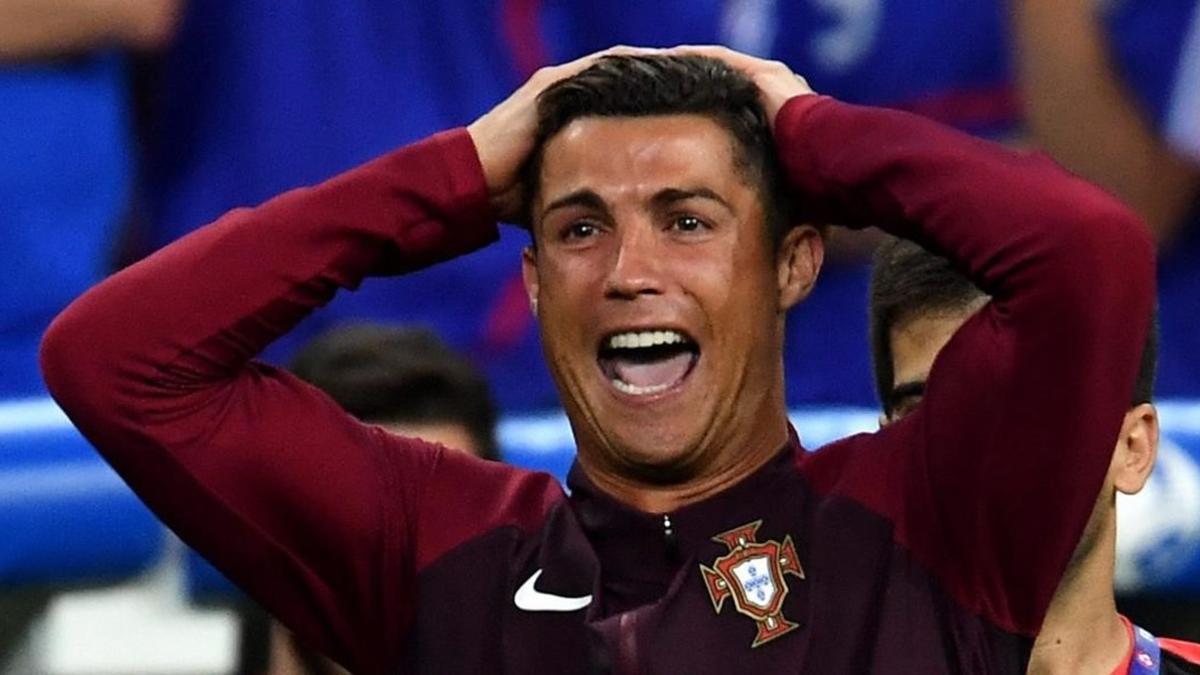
[645, 338]
[636, 390]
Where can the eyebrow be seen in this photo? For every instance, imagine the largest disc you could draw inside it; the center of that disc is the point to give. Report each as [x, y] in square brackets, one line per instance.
[585, 198]
[589, 199]
[672, 195]
[905, 390]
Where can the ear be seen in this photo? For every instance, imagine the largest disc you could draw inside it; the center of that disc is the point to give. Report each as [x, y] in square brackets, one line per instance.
[797, 263]
[884, 420]
[529, 275]
[1137, 448]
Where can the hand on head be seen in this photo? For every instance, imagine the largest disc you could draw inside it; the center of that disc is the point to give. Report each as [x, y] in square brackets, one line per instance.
[775, 80]
[505, 135]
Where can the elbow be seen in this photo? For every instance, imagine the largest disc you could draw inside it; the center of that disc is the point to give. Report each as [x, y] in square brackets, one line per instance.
[74, 361]
[61, 354]
[1098, 230]
[1124, 245]
[1109, 257]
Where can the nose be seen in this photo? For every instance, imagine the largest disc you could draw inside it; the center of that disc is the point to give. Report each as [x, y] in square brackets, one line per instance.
[637, 266]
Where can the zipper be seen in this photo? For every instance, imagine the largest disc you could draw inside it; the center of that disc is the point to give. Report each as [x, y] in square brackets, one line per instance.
[670, 538]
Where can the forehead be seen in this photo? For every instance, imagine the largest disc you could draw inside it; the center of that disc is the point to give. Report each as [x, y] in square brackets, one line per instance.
[916, 342]
[637, 156]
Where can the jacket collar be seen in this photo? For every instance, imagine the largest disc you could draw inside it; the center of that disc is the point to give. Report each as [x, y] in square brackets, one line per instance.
[640, 553]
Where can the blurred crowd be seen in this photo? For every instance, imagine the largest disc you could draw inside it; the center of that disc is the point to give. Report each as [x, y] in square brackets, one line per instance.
[127, 124]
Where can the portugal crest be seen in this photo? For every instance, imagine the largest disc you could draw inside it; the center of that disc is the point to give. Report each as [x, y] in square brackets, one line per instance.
[753, 575]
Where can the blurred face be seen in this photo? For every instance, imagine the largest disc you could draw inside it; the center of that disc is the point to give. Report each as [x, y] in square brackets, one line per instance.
[659, 297]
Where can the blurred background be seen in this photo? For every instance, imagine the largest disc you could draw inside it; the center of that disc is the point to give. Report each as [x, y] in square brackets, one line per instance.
[125, 124]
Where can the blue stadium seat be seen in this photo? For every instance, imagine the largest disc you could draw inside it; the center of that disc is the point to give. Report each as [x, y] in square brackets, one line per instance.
[67, 518]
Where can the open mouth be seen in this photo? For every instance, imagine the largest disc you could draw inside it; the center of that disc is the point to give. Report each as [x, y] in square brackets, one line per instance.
[646, 362]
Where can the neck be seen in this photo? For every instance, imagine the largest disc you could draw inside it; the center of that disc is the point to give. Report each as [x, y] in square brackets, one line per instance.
[742, 453]
[1082, 632]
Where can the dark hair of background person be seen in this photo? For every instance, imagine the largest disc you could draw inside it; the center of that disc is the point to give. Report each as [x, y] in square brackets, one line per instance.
[908, 281]
[383, 375]
[643, 86]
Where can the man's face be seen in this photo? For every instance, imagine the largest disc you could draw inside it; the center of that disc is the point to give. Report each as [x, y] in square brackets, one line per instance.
[659, 297]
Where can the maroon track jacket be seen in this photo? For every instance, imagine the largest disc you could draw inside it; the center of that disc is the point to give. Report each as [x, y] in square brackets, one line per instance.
[933, 546]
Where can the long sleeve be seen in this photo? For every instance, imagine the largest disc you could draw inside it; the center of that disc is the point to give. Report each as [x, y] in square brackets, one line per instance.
[991, 481]
[315, 515]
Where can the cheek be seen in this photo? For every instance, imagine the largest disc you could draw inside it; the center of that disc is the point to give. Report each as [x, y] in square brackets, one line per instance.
[741, 289]
[568, 296]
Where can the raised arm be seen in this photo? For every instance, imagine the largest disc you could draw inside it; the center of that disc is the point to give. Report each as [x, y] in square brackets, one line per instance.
[991, 481]
[299, 504]
[1000, 467]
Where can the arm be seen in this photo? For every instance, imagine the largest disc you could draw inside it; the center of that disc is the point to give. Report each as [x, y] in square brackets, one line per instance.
[31, 29]
[303, 507]
[1081, 113]
[992, 480]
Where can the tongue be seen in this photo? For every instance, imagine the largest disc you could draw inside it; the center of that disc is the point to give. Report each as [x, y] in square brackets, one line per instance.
[666, 371]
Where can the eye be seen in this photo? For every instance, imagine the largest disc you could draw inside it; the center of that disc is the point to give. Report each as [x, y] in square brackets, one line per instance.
[580, 230]
[686, 223]
[904, 407]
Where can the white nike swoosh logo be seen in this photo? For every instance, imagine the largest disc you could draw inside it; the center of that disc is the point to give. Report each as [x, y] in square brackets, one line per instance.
[531, 599]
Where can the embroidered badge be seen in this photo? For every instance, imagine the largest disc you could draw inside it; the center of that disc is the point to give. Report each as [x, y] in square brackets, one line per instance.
[752, 573]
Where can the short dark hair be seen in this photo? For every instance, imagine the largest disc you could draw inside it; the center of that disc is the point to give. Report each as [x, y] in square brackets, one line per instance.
[907, 281]
[383, 374]
[651, 85]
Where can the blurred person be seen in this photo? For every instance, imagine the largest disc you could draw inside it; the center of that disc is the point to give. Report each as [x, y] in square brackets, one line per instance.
[407, 381]
[1112, 90]
[1080, 104]
[67, 161]
[698, 535]
[918, 303]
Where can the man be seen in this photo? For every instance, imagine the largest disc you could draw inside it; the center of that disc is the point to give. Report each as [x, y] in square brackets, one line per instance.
[408, 382]
[918, 302]
[698, 536]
